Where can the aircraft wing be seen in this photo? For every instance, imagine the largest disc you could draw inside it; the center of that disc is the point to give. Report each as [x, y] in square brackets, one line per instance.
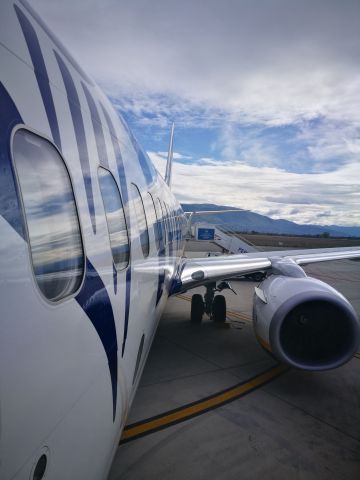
[194, 272]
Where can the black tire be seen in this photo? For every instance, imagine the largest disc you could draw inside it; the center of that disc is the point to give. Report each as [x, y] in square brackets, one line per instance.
[219, 309]
[197, 308]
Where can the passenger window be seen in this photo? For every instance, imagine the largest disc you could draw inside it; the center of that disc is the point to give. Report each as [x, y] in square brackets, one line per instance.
[171, 233]
[168, 224]
[173, 222]
[159, 217]
[115, 218]
[177, 228]
[155, 221]
[141, 220]
[171, 219]
[50, 215]
[163, 221]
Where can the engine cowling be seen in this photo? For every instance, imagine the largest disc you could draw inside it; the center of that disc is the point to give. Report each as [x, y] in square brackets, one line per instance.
[305, 323]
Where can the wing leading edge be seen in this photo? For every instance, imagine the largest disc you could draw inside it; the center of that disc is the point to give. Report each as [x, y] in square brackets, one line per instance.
[194, 272]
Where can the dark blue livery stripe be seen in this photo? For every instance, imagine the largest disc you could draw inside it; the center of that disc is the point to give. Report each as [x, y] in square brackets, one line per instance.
[119, 161]
[79, 128]
[94, 300]
[40, 73]
[127, 309]
[9, 200]
[93, 297]
[115, 278]
[56, 42]
[125, 197]
[98, 129]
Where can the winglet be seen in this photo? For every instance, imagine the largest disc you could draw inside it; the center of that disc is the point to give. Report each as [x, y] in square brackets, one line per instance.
[170, 157]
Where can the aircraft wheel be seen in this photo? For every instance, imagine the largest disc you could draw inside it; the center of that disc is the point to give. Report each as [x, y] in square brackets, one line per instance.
[219, 309]
[197, 308]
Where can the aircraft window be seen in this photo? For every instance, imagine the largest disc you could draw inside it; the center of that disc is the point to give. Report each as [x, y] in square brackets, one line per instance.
[115, 218]
[173, 222]
[163, 221]
[141, 220]
[50, 215]
[160, 220]
[155, 221]
[177, 228]
[168, 218]
[166, 221]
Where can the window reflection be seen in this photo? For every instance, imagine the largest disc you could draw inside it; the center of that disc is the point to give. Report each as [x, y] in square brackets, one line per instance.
[154, 220]
[163, 224]
[168, 223]
[115, 218]
[160, 221]
[51, 216]
[141, 220]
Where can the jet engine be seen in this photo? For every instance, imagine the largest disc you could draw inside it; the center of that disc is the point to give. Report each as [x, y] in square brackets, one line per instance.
[304, 322]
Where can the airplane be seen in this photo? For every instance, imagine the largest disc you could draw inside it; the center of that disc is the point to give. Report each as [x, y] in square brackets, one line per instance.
[92, 242]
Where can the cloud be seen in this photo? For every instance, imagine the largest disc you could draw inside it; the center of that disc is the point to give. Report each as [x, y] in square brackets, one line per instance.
[176, 156]
[275, 83]
[333, 196]
[276, 61]
[324, 214]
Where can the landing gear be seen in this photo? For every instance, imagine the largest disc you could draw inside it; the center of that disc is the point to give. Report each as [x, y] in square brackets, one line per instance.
[219, 309]
[209, 297]
[258, 276]
[197, 308]
[213, 305]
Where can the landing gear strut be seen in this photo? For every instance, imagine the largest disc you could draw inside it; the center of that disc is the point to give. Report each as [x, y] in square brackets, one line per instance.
[213, 305]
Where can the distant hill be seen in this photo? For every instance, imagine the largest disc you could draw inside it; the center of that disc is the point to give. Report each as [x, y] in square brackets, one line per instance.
[246, 221]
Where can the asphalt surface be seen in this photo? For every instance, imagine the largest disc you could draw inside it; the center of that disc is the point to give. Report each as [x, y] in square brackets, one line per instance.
[295, 425]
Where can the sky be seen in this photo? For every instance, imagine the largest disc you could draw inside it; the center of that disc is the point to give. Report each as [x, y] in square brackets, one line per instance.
[265, 95]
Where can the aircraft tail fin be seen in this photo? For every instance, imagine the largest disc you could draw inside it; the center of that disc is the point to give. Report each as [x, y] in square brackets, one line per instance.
[168, 171]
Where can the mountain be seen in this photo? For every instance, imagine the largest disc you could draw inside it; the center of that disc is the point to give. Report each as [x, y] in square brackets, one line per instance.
[246, 221]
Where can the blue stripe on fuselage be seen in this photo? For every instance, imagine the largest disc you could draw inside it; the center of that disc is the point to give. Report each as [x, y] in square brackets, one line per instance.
[127, 308]
[115, 277]
[125, 197]
[97, 126]
[9, 199]
[100, 146]
[93, 297]
[56, 42]
[75, 110]
[94, 300]
[40, 73]
[119, 162]
[147, 167]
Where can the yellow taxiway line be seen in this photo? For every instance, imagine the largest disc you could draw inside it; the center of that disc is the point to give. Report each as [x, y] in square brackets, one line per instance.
[191, 410]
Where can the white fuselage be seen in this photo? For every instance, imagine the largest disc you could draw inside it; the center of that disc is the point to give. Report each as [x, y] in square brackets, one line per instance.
[69, 368]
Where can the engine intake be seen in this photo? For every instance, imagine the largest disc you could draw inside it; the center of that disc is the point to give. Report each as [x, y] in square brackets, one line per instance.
[305, 323]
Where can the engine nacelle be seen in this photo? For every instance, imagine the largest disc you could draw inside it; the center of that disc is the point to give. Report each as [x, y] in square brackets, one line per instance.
[305, 323]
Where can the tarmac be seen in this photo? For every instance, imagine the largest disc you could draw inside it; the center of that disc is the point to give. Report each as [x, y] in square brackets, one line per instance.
[212, 404]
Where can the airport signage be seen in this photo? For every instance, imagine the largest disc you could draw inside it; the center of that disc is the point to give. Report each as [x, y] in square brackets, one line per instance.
[205, 233]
